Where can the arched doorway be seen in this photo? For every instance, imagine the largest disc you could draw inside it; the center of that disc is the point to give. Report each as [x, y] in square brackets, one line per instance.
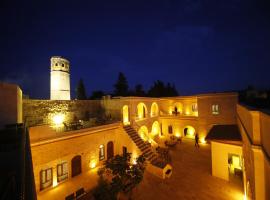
[76, 167]
[110, 152]
[177, 108]
[154, 109]
[125, 115]
[143, 132]
[155, 129]
[189, 132]
[141, 111]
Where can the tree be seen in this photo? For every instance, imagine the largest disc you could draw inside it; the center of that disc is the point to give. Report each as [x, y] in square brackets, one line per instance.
[80, 91]
[119, 176]
[97, 94]
[139, 90]
[121, 86]
[159, 89]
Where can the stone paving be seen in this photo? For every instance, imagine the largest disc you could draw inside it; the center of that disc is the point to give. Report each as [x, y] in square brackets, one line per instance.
[191, 178]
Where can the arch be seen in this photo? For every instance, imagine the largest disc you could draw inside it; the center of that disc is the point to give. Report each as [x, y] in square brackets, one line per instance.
[76, 166]
[189, 131]
[110, 151]
[125, 112]
[155, 128]
[178, 108]
[154, 109]
[143, 132]
[141, 110]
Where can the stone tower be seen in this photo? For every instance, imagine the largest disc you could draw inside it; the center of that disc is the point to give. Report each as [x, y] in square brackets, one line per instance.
[60, 84]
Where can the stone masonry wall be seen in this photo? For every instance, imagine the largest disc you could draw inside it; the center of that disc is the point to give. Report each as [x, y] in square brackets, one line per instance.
[40, 112]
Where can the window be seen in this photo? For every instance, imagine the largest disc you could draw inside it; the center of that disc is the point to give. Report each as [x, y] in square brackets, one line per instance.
[56, 64]
[62, 172]
[215, 109]
[194, 107]
[45, 178]
[170, 129]
[63, 65]
[101, 152]
[124, 151]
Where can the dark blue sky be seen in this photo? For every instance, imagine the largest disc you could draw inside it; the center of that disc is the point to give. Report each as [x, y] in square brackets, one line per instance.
[200, 45]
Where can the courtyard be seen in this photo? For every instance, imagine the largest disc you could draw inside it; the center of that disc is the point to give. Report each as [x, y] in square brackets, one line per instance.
[191, 178]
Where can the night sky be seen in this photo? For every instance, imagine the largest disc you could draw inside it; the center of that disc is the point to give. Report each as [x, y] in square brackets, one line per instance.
[200, 45]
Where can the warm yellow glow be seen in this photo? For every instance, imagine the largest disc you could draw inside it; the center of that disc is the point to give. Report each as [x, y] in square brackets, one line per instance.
[187, 112]
[55, 181]
[154, 109]
[134, 161]
[141, 111]
[203, 141]
[143, 132]
[170, 110]
[93, 164]
[191, 131]
[236, 162]
[125, 115]
[177, 135]
[58, 119]
[155, 128]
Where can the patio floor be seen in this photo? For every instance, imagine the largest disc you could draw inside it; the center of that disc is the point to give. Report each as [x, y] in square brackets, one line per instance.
[191, 178]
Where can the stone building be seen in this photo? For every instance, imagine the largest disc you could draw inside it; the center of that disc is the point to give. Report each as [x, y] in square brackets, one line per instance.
[70, 139]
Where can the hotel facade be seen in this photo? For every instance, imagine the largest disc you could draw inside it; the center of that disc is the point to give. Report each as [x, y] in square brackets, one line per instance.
[71, 139]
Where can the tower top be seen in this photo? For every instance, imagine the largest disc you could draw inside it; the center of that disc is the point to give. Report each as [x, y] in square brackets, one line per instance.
[59, 63]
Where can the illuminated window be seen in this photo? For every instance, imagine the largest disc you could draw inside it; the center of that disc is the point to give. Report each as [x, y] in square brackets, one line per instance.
[45, 178]
[170, 129]
[215, 109]
[101, 152]
[62, 172]
[194, 107]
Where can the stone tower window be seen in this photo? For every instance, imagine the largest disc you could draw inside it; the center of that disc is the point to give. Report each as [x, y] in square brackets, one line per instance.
[63, 65]
[56, 64]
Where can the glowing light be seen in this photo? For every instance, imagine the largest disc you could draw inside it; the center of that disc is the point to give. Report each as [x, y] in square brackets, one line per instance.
[126, 115]
[134, 161]
[177, 135]
[203, 141]
[58, 119]
[55, 181]
[93, 164]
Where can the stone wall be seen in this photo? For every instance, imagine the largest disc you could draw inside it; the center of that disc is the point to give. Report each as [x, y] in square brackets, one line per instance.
[40, 112]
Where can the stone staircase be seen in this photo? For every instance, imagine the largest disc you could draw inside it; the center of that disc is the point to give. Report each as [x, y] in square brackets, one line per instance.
[143, 146]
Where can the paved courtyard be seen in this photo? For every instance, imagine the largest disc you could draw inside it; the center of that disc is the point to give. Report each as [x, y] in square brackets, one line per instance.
[191, 178]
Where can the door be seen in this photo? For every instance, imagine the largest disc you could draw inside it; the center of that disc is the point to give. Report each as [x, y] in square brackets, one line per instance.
[76, 167]
[109, 150]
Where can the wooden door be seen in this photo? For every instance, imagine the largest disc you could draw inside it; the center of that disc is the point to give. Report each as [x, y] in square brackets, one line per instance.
[76, 167]
[110, 153]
